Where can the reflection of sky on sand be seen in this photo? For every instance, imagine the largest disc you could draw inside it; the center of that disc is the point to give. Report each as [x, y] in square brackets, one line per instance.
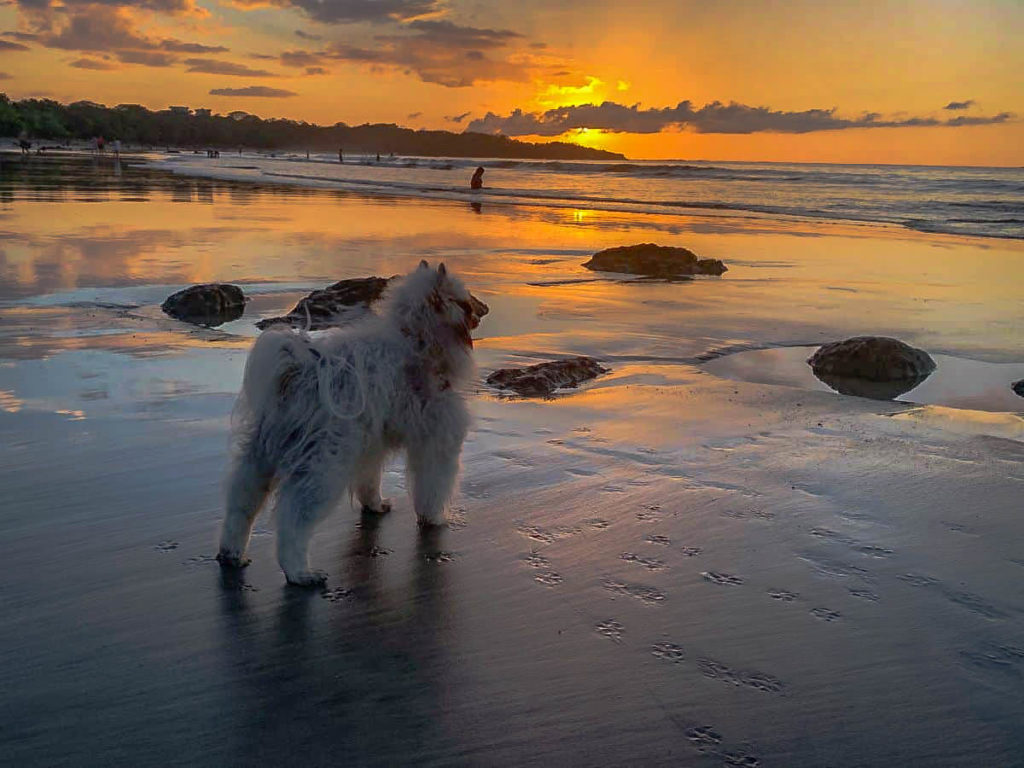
[941, 293]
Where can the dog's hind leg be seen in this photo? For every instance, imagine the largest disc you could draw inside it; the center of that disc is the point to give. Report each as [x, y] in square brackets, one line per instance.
[433, 469]
[367, 482]
[247, 488]
[303, 501]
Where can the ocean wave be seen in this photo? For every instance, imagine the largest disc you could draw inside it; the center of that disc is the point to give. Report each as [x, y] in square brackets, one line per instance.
[923, 199]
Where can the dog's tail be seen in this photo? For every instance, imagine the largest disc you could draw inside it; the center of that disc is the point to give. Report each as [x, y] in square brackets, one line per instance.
[277, 357]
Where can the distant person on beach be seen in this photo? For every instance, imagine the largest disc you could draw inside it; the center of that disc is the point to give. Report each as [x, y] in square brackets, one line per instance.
[341, 156]
[101, 144]
[117, 149]
[478, 179]
[25, 145]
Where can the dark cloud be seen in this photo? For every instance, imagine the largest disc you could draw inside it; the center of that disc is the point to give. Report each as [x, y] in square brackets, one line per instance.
[27, 37]
[40, 8]
[97, 29]
[5, 76]
[146, 58]
[96, 64]
[347, 11]
[260, 91]
[316, 71]
[449, 33]
[301, 58]
[955, 105]
[307, 35]
[179, 47]
[107, 26]
[217, 67]
[414, 115]
[440, 52]
[457, 118]
[1002, 117]
[715, 117]
[7, 46]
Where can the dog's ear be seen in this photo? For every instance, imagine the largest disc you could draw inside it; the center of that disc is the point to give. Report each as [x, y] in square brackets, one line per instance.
[423, 264]
[441, 270]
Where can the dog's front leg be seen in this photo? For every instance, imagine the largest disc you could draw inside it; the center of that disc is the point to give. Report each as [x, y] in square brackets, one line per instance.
[432, 468]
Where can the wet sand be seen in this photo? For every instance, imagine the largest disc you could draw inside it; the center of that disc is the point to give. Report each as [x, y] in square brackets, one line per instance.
[664, 568]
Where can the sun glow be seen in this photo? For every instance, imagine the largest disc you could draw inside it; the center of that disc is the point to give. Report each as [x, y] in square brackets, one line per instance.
[554, 96]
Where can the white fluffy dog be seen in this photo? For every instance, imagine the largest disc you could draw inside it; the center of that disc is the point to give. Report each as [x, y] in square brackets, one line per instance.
[319, 416]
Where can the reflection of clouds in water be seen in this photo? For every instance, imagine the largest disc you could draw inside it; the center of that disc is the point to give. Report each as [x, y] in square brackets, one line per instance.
[9, 402]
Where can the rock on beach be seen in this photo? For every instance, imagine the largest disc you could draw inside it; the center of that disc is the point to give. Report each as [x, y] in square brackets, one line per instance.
[324, 307]
[875, 358]
[543, 379]
[653, 260]
[207, 304]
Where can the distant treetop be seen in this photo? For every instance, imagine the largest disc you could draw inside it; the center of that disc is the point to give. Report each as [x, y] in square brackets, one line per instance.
[181, 126]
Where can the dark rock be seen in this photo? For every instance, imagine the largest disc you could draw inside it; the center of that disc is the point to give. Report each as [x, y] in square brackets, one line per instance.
[478, 309]
[347, 300]
[875, 358]
[654, 261]
[326, 307]
[208, 304]
[1018, 387]
[543, 379]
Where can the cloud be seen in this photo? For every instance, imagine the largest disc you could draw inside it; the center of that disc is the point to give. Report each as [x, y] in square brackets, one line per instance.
[348, 11]
[1002, 117]
[40, 9]
[5, 76]
[8, 46]
[414, 115]
[715, 117]
[307, 35]
[107, 26]
[449, 33]
[146, 58]
[260, 91]
[441, 52]
[955, 105]
[179, 47]
[316, 71]
[96, 64]
[457, 118]
[217, 67]
[300, 58]
[23, 36]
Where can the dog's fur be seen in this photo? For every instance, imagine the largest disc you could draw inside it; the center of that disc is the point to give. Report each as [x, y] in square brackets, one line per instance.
[317, 417]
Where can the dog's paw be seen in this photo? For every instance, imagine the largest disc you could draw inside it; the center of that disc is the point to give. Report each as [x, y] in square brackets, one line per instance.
[430, 523]
[307, 578]
[382, 509]
[231, 560]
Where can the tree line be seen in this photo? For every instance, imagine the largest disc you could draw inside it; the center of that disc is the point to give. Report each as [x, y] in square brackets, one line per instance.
[45, 119]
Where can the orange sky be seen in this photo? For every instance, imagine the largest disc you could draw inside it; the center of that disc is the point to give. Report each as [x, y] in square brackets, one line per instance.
[816, 69]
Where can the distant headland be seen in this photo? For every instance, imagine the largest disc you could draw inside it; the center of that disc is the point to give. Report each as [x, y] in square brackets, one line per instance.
[183, 127]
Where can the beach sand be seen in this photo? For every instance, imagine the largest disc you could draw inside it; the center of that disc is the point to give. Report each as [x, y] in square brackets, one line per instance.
[666, 567]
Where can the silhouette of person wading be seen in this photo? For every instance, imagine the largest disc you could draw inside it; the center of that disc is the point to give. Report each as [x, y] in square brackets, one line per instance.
[478, 179]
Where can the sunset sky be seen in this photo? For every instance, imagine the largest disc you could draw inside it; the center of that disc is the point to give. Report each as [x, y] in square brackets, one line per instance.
[916, 81]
